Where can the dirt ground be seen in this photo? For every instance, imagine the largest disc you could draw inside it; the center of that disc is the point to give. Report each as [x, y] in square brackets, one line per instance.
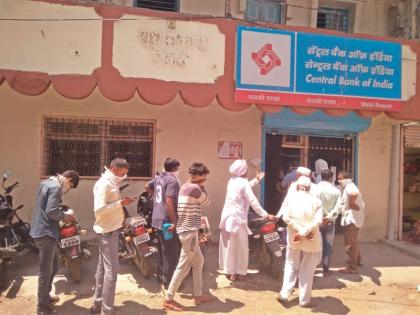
[386, 285]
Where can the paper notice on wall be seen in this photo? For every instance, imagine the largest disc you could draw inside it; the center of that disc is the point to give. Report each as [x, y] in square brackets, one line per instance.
[230, 150]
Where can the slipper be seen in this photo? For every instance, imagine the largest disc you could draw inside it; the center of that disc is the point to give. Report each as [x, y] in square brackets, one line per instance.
[198, 300]
[173, 306]
[348, 271]
[233, 278]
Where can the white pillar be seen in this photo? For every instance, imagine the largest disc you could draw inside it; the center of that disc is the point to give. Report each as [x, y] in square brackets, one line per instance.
[394, 185]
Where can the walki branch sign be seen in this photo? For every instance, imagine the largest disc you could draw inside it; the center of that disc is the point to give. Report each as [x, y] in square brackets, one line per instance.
[305, 69]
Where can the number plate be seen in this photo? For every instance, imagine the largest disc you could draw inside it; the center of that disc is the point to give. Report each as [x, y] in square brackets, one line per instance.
[271, 237]
[141, 238]
[70, 241]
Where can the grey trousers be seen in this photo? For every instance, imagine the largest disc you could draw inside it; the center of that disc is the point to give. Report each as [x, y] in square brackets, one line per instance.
[48, 266]
[106, 272]
[191, 257]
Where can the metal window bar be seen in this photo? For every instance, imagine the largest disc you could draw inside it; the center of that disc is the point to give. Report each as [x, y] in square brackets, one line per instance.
[264, 11]
[87, 144]
[162, 5]
[333, 19]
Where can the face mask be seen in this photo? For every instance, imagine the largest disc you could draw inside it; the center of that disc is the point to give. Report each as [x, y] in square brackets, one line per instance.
[176, 174]
[344, 182]
[114, 177]
[65, 184]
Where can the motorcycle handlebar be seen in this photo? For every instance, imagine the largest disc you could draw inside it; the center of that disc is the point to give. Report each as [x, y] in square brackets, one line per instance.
[10, 188]
[124, 187]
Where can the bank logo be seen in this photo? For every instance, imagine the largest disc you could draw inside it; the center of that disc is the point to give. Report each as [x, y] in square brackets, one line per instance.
[266, 59]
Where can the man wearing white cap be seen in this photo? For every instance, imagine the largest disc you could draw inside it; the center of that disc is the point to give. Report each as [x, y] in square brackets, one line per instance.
[313, 190]
[233, 246]
[303, 217]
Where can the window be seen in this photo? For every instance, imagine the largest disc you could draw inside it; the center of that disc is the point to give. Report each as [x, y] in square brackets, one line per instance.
[264, 11]
[162, 5]
[333, 19]
[87, 144]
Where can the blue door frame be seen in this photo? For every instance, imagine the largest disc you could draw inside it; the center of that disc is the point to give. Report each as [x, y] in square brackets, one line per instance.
[315, 124]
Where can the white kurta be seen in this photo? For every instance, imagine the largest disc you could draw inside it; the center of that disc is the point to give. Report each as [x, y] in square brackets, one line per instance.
[303, 215]
[233, 245]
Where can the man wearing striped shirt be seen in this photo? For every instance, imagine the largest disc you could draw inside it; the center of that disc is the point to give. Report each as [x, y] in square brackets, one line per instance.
[192, 196]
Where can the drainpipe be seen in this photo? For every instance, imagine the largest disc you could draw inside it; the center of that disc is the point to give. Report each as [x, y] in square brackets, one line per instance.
[394, 185]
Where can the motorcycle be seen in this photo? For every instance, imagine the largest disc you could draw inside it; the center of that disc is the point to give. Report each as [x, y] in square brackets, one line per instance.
[136, 239]
[71, 249]
[267, 244]
[14, 232]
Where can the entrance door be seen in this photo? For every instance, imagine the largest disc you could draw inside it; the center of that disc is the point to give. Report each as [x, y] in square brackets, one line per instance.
[283, 150]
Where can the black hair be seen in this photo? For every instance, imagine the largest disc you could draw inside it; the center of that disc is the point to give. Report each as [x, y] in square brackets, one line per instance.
[74, 177]
[171, 165]
[327, 175]
[345, 174]
[119, 163]
[198, 168]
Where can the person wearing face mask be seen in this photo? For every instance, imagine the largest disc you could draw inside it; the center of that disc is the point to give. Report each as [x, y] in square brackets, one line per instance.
[45, 232]
[165, 189]
[192, 196]
[303, 217]
[352, 219]
[109, 217]
[330, 197]
[233, 245]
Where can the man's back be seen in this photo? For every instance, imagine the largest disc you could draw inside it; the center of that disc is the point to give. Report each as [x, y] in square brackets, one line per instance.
[164, 185]
[48, 199]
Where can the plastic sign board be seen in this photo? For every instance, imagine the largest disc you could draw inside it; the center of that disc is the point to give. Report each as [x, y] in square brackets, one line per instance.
[304, 69]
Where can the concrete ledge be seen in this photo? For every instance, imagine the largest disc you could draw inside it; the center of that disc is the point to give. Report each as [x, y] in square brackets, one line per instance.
[406, 247]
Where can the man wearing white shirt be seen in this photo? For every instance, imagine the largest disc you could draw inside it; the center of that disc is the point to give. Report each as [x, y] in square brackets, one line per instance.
[352, 220]
[330, 198]
[109, 217]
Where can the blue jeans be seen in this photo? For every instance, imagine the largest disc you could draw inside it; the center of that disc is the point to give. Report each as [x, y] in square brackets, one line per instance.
[327, 232]
[48, 266]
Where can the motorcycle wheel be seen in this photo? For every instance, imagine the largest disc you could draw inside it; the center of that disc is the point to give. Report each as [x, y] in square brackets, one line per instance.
[74, 266]
[4, 267]
[144, 265]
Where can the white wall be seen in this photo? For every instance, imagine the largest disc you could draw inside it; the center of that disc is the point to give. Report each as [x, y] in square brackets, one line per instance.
[182, 132]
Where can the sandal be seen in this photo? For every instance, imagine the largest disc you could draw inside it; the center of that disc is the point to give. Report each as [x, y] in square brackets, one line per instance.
[198, 300]
[171, 305]
[348, 271]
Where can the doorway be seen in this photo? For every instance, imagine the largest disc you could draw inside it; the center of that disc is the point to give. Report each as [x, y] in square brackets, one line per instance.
[283, 149]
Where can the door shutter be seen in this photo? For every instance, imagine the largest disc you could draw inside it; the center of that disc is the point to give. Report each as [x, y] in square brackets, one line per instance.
[412, 136]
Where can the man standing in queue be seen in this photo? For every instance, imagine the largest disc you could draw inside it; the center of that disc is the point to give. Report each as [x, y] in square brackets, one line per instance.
[45, 232]
[165, 188]
[109, 217]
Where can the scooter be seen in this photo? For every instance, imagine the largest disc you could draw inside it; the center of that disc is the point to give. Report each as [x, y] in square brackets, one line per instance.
[14, 232]
[135, 242]
[267, 244]
[71, 249]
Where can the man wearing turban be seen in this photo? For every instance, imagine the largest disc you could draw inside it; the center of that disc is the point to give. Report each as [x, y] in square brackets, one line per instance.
[233, 245]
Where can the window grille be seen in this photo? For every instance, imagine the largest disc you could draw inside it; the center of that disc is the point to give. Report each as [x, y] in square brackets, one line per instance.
[333, 19]
[87, 144]
[162, 5]
[264, 11]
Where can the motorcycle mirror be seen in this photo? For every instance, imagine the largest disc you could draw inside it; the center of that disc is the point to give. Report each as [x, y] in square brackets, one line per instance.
[7, 174]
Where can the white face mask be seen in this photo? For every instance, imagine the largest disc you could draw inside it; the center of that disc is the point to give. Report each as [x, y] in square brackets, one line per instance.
[65, 184]
[343, 182]
[117, 179]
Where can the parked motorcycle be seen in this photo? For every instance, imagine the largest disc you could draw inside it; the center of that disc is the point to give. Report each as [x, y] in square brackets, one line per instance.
[71, 249]
[136, 242]
[14, 232]
[267, 244]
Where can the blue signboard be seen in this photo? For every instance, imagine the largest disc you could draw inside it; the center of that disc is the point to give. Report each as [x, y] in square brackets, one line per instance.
[308, 69]
[348, 66]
